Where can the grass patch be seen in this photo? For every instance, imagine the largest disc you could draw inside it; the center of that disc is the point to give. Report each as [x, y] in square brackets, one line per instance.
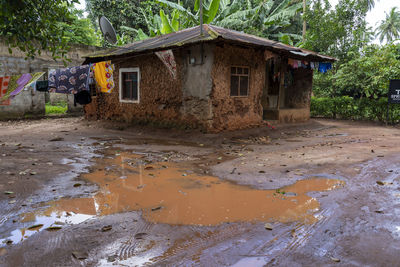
[57, 108]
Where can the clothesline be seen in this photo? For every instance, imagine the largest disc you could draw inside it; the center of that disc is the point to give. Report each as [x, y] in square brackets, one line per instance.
[320, 66]
[72, 80]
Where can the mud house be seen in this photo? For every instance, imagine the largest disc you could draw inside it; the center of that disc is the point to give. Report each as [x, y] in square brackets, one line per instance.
[224, 80]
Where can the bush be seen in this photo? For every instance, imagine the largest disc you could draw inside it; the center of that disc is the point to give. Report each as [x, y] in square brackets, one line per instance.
[346, 107]
[56, 109]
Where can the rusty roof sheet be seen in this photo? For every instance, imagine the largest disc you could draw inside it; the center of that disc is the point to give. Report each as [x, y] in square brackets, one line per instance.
[210, 33]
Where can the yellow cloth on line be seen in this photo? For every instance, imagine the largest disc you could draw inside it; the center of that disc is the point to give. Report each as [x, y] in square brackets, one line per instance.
[103, 73]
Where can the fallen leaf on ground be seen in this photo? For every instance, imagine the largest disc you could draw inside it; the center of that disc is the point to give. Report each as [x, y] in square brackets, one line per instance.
[106, 228]
[156, 208]
[293, 233]
[77, 184]
[80, 255]
[53, 228]
[112, 258]
[11, 202]
[380, 182]
[33, 173]
[140, 235]
[335, 259]
[8, 192]
[35, 227]
[268, 226]
[56, 139]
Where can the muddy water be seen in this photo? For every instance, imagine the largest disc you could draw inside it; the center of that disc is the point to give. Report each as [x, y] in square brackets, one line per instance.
[171, 193]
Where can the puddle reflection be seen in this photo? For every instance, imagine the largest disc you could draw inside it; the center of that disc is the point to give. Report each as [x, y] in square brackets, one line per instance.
[170, 193]
[41, 221]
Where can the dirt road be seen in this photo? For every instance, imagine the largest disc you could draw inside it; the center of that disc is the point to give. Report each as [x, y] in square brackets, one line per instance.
[79, 193]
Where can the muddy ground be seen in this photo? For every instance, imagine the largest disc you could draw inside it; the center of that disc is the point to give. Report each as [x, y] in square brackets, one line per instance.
[79, 193]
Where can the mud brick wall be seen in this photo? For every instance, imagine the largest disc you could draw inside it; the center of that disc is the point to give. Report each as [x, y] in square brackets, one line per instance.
[231, 113]
[160, 95]
[298, 95]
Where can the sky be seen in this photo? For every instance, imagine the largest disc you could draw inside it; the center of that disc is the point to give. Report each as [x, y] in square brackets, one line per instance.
[373, 17]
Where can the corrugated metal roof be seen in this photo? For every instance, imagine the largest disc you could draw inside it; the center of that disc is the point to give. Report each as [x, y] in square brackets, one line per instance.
[210, 33]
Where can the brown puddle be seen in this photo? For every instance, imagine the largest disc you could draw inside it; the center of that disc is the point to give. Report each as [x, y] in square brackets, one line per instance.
[169, 193]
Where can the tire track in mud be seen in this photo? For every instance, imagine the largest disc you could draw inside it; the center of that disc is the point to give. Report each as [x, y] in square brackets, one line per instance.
[322, 240]
[188, 251]
[127, 249]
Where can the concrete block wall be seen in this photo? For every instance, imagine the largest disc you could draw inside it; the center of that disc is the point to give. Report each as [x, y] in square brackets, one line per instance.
[28, 104]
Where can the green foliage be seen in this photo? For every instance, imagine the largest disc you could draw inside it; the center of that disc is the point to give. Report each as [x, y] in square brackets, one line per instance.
[119, 12]
[336, 32]
[369, 74]
[138, 20]
[33, 26]
[79, 30]
[346, 107]
[269, 19]
[364, 75]
[56, 109]
[389, 28]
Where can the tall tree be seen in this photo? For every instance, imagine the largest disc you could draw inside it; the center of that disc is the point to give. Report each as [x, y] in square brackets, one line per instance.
[338, 31]
[79, 30]
[33, 26]
[119, 12]
[389, 28]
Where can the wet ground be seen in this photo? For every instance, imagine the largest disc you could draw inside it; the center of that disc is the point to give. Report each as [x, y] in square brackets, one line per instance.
[78, 193]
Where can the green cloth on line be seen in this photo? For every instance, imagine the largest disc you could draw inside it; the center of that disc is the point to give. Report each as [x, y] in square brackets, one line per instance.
[18, 83]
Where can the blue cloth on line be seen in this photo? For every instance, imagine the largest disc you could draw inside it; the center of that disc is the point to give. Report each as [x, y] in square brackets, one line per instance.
[324, 67]
[69, 80]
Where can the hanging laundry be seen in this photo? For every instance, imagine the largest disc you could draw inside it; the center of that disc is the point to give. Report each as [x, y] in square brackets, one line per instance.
[3, 90]
[304, 64]
[324, 67]
[42, 86]
[296, 64]
[103, 73]
[69, 80]
[167, 57]
[18, 82]
[312, 65]
[82, 97]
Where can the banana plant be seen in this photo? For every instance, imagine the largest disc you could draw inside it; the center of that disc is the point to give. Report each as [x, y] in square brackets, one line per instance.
[210, 10]
[264, 18]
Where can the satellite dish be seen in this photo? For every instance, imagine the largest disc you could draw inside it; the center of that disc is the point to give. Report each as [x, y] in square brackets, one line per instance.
[108, 30]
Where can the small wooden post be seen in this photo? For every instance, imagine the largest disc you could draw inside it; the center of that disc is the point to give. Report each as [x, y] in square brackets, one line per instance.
[387, 113]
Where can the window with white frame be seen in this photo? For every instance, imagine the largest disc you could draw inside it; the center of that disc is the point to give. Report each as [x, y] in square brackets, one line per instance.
[129, 85]
[240, 80]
